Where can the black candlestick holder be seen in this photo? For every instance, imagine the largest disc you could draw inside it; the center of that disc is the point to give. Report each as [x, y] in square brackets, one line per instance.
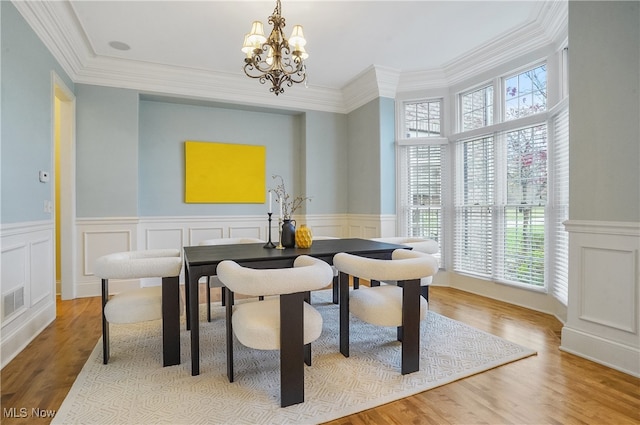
[269, 244]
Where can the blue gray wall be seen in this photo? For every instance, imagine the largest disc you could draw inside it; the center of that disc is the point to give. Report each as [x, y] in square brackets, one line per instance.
[325, 162]
[386, 121]
[106, 152]
[26, 108]
[371, 154]
[130, 153]
[604, 155]
[164, 127]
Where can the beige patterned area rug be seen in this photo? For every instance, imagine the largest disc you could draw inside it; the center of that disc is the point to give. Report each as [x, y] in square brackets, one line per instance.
[135, 389]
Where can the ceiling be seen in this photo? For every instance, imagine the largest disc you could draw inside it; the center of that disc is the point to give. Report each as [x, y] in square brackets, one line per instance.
[344, 37]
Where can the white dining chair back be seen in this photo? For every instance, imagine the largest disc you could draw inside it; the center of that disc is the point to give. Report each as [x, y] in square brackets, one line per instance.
[140, 304]
[428, 246]
[285, 322]
[398, 305]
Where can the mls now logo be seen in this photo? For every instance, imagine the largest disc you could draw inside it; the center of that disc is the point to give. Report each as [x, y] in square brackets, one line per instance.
[23, 412]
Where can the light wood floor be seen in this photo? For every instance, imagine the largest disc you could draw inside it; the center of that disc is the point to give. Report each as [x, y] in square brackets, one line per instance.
[551, 388]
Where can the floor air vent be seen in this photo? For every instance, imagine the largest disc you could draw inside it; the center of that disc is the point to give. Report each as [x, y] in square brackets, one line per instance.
[12, 302]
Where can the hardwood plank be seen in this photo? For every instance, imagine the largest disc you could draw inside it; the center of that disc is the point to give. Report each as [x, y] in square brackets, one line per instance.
[552, 387]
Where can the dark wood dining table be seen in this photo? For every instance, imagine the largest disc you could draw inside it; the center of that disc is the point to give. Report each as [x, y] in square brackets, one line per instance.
[201, 261]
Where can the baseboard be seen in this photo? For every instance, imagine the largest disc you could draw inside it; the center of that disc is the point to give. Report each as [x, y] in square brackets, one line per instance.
[17, 341]
[605, 352]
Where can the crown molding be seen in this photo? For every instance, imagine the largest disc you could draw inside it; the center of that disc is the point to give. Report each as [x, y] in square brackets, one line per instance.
[361, 90]
[495, 53]
[56, 26]
[55, 23]
[554, 18]
[198, 83]
[422, 80]
[374, 82]
[549, 25]
[388, 79]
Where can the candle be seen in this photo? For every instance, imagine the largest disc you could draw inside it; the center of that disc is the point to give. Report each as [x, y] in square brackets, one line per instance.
[270, 211]
[280, 202]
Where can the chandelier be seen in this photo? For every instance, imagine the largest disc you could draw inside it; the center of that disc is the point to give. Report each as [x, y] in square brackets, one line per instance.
[275, 59]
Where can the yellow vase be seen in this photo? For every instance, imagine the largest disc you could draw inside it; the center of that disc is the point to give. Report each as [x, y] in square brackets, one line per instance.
[304, 237]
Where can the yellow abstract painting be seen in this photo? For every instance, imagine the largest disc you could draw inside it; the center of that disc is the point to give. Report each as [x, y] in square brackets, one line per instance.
[224, 173]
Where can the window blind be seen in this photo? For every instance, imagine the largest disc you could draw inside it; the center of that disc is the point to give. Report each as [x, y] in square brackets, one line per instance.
[423, 197]
[521, 229]
[559, 252]
[474, 201]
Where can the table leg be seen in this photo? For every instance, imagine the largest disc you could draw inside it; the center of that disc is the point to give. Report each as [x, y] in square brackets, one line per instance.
[410, 326]
[343, 284]
[186, 296]
[171, 320]
[195, 324]
[291, 349]
[229, 326]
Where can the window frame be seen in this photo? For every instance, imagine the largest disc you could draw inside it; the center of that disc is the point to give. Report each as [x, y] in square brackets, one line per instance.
[460, 108]
[403, 123]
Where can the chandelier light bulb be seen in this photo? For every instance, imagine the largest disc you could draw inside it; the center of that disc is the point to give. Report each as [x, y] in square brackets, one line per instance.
[297, 37]
[256, 36]
[300, 51]
[247, 48]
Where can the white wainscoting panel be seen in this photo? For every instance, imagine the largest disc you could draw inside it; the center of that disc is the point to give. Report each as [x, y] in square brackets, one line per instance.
[603, 316]
[368, 226]
[98, 237]
[333, 225]
[163, 238]
[608, 295]
[204, 233]
[41, 269]
[27, 288]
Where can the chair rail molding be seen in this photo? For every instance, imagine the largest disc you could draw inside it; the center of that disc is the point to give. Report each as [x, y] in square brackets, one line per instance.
[603, 320]
[27, 288]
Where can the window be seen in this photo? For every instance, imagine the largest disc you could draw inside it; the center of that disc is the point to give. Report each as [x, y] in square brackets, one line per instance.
[503, 203]
[502, 184]
[523, 223]
[422, 119]
[500, 210]
[526, 93]
[477, 108]
[559, 205]
[475, 191]
[423, 206]
[421, 155]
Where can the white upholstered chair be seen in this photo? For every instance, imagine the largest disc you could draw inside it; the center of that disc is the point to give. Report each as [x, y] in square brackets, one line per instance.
[143, 304]
[287, 322]
[400, 306]
[428, 246]
[213, 281]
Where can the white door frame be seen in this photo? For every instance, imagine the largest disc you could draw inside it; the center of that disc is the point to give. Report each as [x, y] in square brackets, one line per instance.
[67, 175]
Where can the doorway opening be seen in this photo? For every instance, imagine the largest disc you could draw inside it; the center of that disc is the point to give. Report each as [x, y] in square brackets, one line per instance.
[64, 174]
